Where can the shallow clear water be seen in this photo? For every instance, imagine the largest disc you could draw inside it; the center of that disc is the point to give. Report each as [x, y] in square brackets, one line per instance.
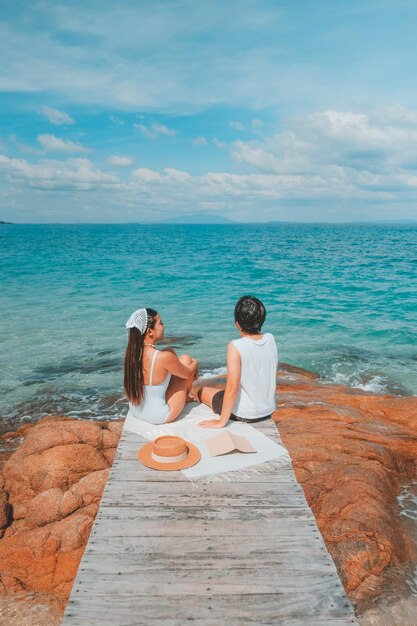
[341, 300]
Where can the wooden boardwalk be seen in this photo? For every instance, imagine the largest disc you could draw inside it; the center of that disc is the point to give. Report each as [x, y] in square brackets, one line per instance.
[163, 551]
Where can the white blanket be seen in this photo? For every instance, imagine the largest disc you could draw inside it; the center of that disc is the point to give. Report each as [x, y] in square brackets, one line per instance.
[268, 456]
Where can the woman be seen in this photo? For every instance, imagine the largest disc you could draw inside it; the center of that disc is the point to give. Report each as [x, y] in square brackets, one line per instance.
[156, 382]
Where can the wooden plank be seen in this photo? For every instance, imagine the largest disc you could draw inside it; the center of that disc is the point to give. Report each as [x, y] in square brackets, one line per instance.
[203, 513]
[129, 474]
[127, 471]
[110, 527]
[233, 490]
[206, 582]
[198, 488]
[163, 550]
[257, 609]
[196, 550]
[132, 502]
[200, 512]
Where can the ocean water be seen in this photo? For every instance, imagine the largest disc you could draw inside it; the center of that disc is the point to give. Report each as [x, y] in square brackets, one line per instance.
[341, 300]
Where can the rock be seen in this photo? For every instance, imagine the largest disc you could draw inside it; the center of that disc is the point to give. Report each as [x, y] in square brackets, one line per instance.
[45, 559]
[4, 507]
[54, 481]
[352, 452]
[28, 608]
[56, 454]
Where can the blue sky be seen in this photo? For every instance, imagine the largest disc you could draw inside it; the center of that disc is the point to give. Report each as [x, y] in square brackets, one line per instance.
[256, 110]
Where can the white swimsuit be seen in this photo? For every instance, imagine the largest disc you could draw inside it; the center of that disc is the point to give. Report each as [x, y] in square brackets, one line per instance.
[153, 407]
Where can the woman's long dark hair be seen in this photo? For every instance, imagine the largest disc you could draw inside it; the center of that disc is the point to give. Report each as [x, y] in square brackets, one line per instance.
[133, 380]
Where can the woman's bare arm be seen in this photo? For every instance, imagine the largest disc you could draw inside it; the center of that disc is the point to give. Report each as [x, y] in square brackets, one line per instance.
[173, 365]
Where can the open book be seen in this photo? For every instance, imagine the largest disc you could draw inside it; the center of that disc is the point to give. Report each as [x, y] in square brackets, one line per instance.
[227, 442]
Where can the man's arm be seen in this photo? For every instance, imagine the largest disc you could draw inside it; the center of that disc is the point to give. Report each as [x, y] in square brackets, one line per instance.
[232, 387]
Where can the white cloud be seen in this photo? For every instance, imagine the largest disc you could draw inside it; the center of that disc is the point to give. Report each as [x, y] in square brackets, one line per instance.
[55, 144]
[176, 175]
[146, 175]
[199, 141]
[154, 130]
[317, 164]
[153, 190]
[218, 184]
[162, 130]
[379, 142]
[116, 121]
[159, 67]
[256, 125]
[22, 146]
[332, 156]
[55, 116]
[120, 161]
[76, 173]
[260, 158]
[182, 56]
[237, 126]
[145, 131]
[218, 143]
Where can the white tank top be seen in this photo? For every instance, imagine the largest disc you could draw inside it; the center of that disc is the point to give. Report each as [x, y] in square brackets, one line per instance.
[153, 407]
[259, 361]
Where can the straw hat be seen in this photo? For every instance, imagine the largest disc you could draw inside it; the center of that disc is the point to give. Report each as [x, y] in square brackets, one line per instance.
[169, 453]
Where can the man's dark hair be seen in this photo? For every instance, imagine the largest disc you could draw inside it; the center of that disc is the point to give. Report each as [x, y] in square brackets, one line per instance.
[250, 314]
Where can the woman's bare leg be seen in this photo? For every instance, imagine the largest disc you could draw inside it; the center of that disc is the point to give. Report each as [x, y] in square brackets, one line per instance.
[178, 390]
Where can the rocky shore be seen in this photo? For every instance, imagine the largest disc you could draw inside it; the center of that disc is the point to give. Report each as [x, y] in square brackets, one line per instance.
[50, 489]
[352, 452]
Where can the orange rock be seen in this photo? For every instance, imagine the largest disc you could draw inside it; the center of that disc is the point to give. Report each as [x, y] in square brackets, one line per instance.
[4, 507]
[115, 427]
[54, 481]
[352, 452]
[57, 453]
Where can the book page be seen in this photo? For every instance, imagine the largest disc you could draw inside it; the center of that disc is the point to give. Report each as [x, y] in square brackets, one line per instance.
[226, 442]
[242, 443]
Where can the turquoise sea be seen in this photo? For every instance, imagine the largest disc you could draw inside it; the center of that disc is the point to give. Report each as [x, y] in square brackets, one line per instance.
[341, 300]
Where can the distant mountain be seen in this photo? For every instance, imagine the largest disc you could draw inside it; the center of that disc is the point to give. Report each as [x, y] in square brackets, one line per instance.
[1, 222]
[198, 218]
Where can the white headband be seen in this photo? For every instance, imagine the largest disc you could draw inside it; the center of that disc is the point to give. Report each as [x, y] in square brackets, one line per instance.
[139, 320]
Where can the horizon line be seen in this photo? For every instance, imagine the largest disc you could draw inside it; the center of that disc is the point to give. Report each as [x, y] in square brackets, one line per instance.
[229, 223]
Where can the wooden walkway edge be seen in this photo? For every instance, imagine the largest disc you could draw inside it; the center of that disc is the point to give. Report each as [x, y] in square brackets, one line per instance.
[163, 551]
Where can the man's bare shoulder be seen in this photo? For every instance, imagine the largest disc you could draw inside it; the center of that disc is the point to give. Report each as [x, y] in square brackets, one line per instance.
[231, 348]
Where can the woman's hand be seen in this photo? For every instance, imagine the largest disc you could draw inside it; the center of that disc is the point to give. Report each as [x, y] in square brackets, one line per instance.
[212, 424]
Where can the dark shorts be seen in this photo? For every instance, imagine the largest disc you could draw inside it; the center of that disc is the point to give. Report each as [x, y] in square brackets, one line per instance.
[217, 404]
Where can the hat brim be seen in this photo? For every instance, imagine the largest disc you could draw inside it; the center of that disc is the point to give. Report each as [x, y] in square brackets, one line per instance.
[145, 457]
